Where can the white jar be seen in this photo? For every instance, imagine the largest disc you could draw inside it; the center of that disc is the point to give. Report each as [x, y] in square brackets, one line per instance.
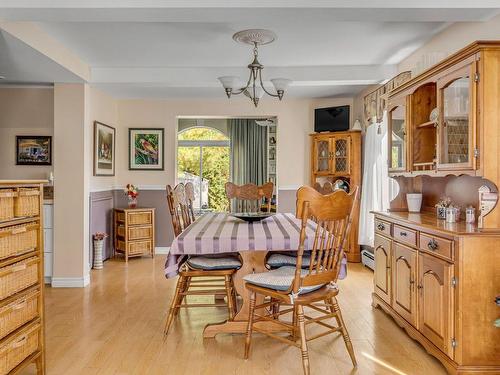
[414, 201]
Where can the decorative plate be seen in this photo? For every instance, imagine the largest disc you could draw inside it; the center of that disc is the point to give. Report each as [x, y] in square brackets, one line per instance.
[434, 115]
[252, 216]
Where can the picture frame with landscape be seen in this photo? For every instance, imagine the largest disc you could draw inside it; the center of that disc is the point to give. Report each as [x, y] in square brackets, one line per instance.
[33, 150]
[146, 149]
[104, 149]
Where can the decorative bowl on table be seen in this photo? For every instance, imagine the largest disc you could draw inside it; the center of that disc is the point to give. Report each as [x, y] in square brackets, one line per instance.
[252, 216]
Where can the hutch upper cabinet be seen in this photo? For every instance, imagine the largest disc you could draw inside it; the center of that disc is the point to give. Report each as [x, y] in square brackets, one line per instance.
[438, 121]
[337, 156]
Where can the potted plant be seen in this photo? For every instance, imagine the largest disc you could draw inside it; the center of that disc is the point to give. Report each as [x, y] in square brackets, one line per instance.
[441, 207]
[98, 246]
[132, 193]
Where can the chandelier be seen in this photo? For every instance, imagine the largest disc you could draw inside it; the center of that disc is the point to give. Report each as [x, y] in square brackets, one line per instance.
[254, 87]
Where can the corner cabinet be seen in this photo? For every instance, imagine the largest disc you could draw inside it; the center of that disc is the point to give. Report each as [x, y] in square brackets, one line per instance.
[439, 283]
[440, 121]
[337, 156]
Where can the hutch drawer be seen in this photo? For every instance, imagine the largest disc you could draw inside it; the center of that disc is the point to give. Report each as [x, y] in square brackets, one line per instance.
[405, 235]
[436, 245]
[383, 227]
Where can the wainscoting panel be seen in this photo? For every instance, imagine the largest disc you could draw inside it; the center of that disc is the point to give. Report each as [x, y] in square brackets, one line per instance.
[101, 219]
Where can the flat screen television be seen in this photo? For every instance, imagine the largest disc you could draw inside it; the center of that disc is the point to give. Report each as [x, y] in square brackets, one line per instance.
[332, 119]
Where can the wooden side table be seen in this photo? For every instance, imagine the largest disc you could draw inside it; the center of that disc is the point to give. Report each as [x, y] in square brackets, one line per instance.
[134, 231]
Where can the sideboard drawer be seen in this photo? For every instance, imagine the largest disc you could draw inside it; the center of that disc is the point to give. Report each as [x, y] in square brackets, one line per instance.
[139, 217]
[140, 247]
[383, 227]
[405, 235]
[142, 232]
[436, 245]
[19, 346]
[18, 311]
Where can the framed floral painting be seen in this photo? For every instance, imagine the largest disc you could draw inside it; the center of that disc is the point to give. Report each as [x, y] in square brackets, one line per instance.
[146, 149]
[104, 149]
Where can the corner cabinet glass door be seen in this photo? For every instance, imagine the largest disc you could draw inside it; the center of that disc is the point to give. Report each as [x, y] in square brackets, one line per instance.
[322, 156]
[341, 152]
[457, 93]
[397, 136]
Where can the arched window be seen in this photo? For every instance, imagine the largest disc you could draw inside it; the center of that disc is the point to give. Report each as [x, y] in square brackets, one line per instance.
[203, 159]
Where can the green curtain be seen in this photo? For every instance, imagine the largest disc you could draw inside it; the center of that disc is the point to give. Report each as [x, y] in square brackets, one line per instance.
[248, 152]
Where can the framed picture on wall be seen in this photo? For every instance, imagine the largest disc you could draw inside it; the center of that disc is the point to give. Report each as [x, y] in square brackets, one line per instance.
[145, 148]
[33, 150]
[104, 149]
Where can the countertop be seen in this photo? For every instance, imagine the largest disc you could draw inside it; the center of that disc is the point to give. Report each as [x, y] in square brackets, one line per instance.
[430, 221]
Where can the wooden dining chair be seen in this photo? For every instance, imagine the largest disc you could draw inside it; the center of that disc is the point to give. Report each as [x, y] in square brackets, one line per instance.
[249, 197]
[314, 287]
[189, 189]
[199, 275]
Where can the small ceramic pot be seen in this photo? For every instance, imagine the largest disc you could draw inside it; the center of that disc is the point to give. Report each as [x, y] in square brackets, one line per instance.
[441, 213]
[414, 201]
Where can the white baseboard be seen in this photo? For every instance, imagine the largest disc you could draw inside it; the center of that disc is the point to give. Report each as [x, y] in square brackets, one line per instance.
[162, 250]
[70, 282]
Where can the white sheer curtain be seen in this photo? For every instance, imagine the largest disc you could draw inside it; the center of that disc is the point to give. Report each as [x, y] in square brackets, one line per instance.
[376, 186]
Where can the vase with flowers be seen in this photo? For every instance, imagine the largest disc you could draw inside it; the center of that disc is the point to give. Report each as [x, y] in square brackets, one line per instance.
[441, 207]
[99, 238]
[132, 193]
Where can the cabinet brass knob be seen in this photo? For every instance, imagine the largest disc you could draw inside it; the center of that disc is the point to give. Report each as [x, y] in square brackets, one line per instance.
[380, 226]
[432, 245]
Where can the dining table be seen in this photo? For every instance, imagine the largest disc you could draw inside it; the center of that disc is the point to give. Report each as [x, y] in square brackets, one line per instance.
[222, 233]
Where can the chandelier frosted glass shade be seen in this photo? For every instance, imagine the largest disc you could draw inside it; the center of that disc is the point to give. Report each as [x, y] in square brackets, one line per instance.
[280, 84]
[230, 82]
[254, 88]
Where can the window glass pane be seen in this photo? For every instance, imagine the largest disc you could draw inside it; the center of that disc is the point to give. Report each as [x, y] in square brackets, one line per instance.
[202, 134]
[188, 170]
[215, 175]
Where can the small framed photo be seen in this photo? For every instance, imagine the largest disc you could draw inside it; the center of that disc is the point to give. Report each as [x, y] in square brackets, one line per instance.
[104, 149]
[145, 146]
[33, 150]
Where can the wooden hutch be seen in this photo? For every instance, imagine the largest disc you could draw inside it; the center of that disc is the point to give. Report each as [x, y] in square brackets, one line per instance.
[439, 280]
[337, 155]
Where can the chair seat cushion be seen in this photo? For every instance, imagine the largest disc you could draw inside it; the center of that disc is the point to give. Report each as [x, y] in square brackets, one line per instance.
[278, 279]
[280, 260]
[214, 263]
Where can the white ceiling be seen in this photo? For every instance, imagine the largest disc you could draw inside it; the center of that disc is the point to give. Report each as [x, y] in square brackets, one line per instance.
[178, 48]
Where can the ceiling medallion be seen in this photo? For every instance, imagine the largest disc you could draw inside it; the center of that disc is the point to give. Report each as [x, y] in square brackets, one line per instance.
[254, 87]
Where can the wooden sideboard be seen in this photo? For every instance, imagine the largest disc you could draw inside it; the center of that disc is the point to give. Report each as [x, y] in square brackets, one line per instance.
[438, 281]
[21, 276]
[134, 231]
[337, 155]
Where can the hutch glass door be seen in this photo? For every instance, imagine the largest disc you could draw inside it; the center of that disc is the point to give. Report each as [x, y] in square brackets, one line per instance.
[455, 128]
[397, 138]
[341, 155]
[322, 155]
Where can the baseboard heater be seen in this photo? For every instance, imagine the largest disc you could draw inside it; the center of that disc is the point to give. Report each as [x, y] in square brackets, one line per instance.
[368, 259]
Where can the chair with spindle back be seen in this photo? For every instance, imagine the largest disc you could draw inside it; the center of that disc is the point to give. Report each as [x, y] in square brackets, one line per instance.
[301, 288]
[198, 275]
[248, 197]
[189, 188]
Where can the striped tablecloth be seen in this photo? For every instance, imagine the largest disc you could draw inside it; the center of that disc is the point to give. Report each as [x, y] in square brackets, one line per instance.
[215, 233]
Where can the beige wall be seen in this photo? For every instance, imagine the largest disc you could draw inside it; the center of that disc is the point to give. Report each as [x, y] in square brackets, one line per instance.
[24, 111]
[72, 136]
[295, 122]
[454, 38]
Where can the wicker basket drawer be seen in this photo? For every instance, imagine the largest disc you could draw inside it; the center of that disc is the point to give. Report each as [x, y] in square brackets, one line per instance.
[18, 276]
[144, 232]
[18, 239]
[19, 311]
[139, 217]
[140, 247]
[27, 202]
[7, 204]
[20, 346]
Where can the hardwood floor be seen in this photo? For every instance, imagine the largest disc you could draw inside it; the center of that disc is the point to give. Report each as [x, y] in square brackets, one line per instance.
[115, 326]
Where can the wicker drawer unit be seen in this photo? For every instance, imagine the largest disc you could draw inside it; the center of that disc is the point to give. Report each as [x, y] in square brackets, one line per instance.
[14, 350]
[134, 230]
[21, 276]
